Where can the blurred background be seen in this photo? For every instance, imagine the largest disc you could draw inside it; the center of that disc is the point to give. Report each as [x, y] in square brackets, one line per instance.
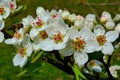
[49, 72]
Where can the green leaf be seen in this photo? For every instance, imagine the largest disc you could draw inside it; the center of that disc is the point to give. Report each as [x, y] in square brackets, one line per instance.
[37, 57]
[78, 74]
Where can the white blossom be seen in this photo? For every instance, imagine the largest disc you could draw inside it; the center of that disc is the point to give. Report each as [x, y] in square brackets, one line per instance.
[24, 51]
[17, 37]
[105, 39]
[81, 43]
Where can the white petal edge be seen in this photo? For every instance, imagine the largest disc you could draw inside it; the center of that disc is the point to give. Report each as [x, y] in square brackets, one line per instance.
[2, 24]
[1, 36]
[107, 49]
[111, 36]
[80, 58]
[99, 30]
[68, 50]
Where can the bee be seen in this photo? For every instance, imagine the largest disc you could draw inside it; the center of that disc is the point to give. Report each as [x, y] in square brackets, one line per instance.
[15, 27]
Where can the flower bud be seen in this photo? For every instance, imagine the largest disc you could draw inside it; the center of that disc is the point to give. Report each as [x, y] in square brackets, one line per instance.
[65, 14]
[79, 17]
[110, 24]
[105, 16]
[78, 24]
[91, 17]
[39, 11]
[72, 18]
[114, 69]
[117, 17]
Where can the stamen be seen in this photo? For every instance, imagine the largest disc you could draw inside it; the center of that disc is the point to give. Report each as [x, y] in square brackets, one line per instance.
[58, 37]
[2, 10]
[78, 44]
[101, 40]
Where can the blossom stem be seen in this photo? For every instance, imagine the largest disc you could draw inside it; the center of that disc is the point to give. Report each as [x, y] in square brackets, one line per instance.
[110, 77]
[6, 34]
[64, 67]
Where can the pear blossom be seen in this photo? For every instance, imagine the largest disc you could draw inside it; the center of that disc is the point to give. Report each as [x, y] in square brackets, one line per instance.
[95, 65]
[105, 16]
[117, 17]
[58, 33]
[1, 27]
[56, 14]
[90, 21]
[17, 37]
[79, 23]
[65, 14]
[109, 24]
[40, 11]
[81, 43]
[105, 39]
[4, 9]
[39, 24]
[24, 51]
[53, 38]
[27, 23]
[72, 17]
[114, 69]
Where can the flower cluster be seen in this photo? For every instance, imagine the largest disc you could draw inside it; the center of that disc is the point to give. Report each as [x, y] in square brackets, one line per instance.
[48, 31]
[6, 7]
[69, 34]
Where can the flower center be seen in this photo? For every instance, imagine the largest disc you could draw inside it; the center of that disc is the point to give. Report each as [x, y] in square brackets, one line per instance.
[54, 15]
[92, 63]
[78, 44]
[58, 37]
[39, 23]
[2, 10]
[43, 35]
[17, 35]
[22, 51]
[101, 40]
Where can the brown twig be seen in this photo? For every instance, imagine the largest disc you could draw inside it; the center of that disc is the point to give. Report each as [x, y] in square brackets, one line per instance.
[102, 4]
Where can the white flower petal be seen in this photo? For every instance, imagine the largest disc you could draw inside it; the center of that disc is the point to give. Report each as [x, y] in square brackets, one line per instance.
[106, 14]
[26, 40]
[68, 50]
[58, 46]
[40, 11]
[110, 24]
[1, 36]
[36, 45]
[112, 36]
[46, 45]
[29, 49]
[10, 41]
[90, 17]
[17, 59]
[114, 70]
[73, 33]
[107, 49]
[2, 24]
[86, 34]
[80, 58]
[33, 32]
[91, 46]
[99, 30]
[7, 13]
[97, 68]
[23, 61]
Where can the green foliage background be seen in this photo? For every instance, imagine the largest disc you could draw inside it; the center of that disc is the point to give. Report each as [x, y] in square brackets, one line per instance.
[48, 72]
